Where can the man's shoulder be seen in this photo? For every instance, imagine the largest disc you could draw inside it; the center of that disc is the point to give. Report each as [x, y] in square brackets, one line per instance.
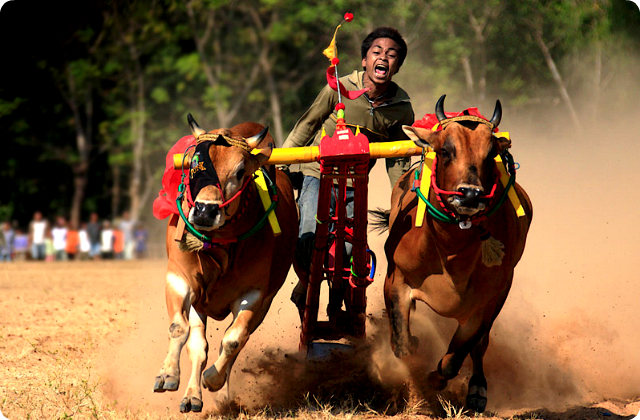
[401, 95]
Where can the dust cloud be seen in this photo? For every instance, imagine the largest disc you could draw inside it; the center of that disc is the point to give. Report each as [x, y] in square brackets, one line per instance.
[567, 335]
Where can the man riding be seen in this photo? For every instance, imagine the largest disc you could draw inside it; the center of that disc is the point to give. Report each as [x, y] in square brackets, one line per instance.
[380, 114]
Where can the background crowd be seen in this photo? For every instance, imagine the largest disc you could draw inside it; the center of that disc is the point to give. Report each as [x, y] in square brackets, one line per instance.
[62, 241]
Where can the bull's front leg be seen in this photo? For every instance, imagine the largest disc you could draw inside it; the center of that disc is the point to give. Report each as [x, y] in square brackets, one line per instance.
[197, 348]
[248, 311]
[397, 297]
[178, 296]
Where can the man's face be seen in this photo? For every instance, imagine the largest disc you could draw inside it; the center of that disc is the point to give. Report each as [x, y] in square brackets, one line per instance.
[381, 61]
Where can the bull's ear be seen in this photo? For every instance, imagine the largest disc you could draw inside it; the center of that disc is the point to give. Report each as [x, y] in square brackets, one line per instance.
[502, 141]
[421, 136]
[263, 154]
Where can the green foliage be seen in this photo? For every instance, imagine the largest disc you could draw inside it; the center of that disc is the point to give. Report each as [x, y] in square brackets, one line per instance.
[139, 63]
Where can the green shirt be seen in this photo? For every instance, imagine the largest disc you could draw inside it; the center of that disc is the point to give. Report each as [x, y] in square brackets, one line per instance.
[382, 123]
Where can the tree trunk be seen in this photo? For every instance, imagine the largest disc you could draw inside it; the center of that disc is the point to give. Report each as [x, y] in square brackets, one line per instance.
[557, 77]
[478, 28]
[138, 132]
[274, 98]
[83, 144]
[116, 189]
[466, 65]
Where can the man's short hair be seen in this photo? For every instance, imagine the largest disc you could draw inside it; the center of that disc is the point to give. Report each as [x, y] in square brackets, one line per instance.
[385, 32]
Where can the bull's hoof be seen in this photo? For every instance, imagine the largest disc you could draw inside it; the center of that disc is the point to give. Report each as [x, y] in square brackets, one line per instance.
[166, 383]
[437, 381]
[476, 402]
[448, 371]
[477, 395]
[213, 380]
[191, 404]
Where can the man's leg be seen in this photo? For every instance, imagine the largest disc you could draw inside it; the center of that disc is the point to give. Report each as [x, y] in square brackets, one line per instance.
[308, 205]
[337, 295]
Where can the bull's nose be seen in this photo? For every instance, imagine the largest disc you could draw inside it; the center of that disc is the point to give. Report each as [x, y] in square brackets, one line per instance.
[205, 210]
[471, 197]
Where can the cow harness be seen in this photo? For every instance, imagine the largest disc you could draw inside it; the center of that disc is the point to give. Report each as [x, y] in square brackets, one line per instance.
[447, 216]
[263, 182]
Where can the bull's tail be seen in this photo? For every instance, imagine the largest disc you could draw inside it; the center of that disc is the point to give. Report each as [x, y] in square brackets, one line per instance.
[379, 220]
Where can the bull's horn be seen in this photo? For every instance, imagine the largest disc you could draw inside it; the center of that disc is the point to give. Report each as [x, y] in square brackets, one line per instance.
[254, 141]
[497, 114]
[440, 109]
[195, 128]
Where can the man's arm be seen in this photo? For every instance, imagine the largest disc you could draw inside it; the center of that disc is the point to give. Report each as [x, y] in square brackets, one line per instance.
[396, 167]
[309, 124]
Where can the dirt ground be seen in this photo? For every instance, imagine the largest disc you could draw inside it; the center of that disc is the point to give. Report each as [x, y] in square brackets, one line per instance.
[86, 339]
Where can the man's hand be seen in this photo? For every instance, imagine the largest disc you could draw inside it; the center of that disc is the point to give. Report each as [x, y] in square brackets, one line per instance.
[296, 178]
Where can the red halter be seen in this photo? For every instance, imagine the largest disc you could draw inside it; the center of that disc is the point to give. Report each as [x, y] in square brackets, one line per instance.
[440, 191]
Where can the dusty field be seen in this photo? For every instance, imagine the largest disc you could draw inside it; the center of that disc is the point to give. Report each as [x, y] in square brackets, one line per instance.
[85, 340]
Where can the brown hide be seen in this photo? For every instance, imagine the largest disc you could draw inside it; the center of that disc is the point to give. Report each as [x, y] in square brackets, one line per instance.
[239, 278]
[440, 263]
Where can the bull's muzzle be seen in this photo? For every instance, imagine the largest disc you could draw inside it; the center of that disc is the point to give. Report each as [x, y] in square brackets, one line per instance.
[471, 200]
[205, 215]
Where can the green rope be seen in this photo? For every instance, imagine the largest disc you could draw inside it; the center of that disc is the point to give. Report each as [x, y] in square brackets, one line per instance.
[251, 232]
[443, 217]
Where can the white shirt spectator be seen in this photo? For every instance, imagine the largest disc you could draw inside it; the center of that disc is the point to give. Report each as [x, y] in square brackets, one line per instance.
[85, 245]
[39, 228]
[106, 240]
[59, 236]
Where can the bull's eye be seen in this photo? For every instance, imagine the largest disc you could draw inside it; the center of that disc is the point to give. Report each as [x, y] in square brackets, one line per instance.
[445, 154]
[240, 174]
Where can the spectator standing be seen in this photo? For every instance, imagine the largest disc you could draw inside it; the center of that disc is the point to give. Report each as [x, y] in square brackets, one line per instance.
[7, 237]
[73, 241]
[20, 245]
[93, 232]
[85, 244]
[37, 232]
[49, 250]
[141, 237]
[59, 238]
[106, 241]
[126, 226]
[118, 243]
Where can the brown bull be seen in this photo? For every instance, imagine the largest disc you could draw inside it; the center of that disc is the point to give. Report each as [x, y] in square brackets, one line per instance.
[441, 263]
[224, 275]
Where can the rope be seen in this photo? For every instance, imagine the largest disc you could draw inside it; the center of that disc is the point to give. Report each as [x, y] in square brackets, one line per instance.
[444, 123]
[443, 217]
[233, 142]
[259, 225]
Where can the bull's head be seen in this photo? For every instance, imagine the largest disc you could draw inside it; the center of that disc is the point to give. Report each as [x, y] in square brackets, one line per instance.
[465, 151]
[222, 164]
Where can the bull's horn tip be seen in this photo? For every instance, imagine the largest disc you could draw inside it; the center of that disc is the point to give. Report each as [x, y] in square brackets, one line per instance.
[440, 108]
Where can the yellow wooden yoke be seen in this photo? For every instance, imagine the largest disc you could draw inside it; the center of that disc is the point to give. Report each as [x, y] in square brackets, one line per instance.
[427, 164]
[261, 186]
[376, 151]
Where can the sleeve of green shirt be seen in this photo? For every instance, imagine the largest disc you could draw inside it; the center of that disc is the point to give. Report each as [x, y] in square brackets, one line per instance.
[396, 167]
[309, 124]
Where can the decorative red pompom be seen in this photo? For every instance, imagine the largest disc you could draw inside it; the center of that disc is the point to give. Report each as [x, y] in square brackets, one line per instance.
[348, 17]
[339, 106]
[335, 60]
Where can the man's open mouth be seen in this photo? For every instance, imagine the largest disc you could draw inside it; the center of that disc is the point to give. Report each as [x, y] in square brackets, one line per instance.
[381, 70]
